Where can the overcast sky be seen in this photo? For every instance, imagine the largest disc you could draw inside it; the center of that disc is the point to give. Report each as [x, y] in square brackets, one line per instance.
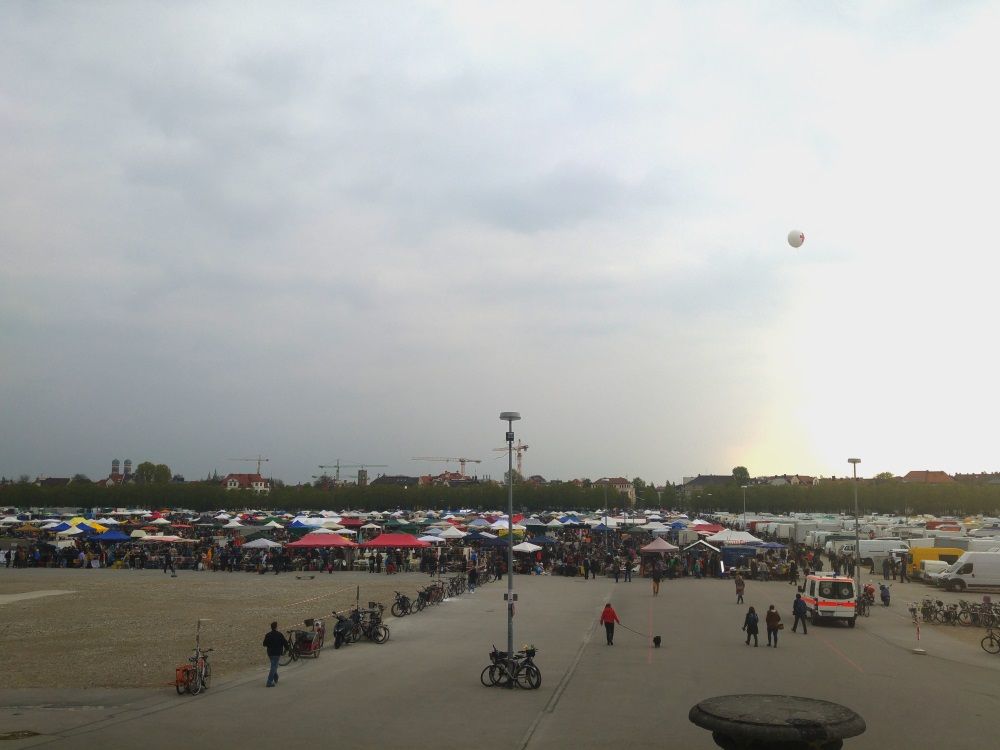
[361, 230]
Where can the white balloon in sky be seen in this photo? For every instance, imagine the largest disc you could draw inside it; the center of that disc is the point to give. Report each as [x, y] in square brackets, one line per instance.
[796, 238]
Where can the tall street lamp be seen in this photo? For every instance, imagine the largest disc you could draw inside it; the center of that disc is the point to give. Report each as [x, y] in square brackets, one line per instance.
[857, 526]
[744, 488]
[510, 417]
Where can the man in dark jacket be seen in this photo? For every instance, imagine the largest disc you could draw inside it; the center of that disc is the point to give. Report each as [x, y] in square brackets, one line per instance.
[799, 610]
[275, 643]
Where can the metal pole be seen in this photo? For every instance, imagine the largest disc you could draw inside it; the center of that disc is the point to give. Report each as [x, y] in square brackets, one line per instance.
[510, 540]
[744, 507]
[509, 417]
[857, 527]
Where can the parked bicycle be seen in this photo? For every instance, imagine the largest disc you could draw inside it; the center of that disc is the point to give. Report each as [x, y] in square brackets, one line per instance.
[991, 643]
[863, 607]
[519, 670]
[402, 606]
[196, 675]
[368, 623]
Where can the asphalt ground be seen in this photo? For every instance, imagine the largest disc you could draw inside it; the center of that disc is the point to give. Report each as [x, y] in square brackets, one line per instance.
[422, 688]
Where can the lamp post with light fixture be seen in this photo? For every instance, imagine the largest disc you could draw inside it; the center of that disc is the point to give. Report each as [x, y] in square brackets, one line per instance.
[857, 527]
[510, 417]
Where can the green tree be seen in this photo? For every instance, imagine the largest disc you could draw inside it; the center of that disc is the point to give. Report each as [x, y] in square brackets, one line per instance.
[884, 476]
[741, 475]
[149, 473]
[83, 478]
[518, 479]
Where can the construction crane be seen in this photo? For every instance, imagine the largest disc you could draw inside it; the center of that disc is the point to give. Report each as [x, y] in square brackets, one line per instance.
[519, 449]
[338, 466]
[260, 459]
[461, 461]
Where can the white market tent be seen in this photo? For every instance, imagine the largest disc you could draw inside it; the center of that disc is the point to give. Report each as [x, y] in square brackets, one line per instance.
[234, 524]
[261, 544]
[729, 536]
[452, 532]
[526, 547]
[659, 545]
[273, 525]
[431, 539]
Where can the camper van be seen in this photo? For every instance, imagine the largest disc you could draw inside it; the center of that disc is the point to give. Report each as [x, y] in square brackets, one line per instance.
[973, 570]
[830, 597]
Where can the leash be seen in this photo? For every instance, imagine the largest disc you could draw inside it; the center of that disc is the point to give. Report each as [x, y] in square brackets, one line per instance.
[644, 635]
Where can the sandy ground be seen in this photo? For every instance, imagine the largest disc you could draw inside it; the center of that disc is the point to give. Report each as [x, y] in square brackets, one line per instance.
[122, 628]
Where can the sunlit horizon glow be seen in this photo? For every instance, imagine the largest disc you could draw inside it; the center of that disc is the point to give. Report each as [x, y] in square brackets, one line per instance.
[361, 232]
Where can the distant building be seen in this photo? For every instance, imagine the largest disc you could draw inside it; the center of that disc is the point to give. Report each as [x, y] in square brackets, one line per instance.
[621, 485]
[253, 482]
[789, 479]
[983, 477]
[704, 481]
[927, 477]
[52, 481]
[117, 476]
[536, 479]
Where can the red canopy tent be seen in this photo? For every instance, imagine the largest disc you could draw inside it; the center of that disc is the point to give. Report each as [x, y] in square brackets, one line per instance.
[322, 540]
[395, 540]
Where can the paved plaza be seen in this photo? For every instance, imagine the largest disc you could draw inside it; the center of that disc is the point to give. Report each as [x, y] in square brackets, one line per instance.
[422, 688]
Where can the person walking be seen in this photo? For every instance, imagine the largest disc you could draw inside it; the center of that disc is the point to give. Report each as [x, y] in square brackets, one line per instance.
[609, 617]
[275, 643]
[168, 562]
[799, 612]
[741, 586]
[618, 568]
[586, 568]
[750, 625]
[473, 577]
[628, 569]
[773, 621]
[902, 570]
[657, 575]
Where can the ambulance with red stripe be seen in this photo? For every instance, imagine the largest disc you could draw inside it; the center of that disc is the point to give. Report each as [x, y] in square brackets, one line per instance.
[830, 597]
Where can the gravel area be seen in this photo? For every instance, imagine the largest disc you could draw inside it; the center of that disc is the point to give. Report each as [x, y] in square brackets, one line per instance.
[125, 628]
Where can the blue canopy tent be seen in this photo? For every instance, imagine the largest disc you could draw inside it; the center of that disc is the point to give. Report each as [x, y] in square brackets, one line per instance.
[111, 536]
[543, 540]
[600, 527]
[771, 545]
[498, 542]
[678, 525]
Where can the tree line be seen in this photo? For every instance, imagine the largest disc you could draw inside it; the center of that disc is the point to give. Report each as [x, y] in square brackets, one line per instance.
[827, 497]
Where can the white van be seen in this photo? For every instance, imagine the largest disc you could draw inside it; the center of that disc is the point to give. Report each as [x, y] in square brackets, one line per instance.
[973, 570]
[830, 597]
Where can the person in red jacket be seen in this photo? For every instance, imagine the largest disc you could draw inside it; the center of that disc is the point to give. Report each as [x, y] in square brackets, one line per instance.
[609, 617]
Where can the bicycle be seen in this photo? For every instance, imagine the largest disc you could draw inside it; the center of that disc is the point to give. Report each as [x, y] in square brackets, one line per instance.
[196, 675]
[291, 652]
[368, 623]
[991, 643]
[862, 607]
[402, 606]
[519, 670]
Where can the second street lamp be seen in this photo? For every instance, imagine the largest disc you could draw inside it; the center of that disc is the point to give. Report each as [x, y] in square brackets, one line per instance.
[510, 417]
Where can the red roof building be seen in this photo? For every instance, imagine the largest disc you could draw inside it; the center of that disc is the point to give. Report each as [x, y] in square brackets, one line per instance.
[253, 482]
[928, 477]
